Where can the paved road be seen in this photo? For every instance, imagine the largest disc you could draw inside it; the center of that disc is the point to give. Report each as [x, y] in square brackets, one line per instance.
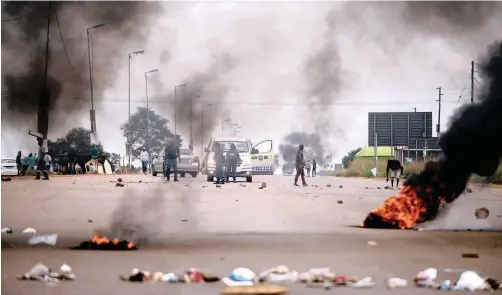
[195, 224]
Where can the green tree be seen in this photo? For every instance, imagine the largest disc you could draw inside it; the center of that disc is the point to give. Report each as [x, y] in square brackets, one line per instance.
[159, 132]
[349, 157]
[77, 140]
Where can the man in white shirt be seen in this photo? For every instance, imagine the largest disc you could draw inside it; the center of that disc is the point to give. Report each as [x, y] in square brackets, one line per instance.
[144, 160]
[47, 167]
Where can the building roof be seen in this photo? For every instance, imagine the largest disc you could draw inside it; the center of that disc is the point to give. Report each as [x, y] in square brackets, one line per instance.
[382, 151]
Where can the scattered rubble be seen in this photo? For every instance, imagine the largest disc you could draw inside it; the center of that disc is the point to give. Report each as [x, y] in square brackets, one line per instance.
[468, 190]
[482, 213]
[119, 179]
[6, 230]
[184, 220]
[45, 239]
[470, 255]
[340, 186]
[42, 273]
[393, 283]
[120, 184]
[29, 230]
[242, 185]
[339, 202]
[263, 185]
[328, 185]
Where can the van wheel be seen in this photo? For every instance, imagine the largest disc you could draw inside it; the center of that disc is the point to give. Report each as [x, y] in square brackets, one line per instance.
[154, 173]
[209, 178]
[194, 174]
[182, 174]
[249, 179]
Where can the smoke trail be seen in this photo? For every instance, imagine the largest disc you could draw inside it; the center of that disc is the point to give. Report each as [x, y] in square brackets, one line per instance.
[202, 86]
[313, 148]
[23, 51]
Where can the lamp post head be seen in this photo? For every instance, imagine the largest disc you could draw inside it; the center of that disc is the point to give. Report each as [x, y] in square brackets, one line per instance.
[96, 26]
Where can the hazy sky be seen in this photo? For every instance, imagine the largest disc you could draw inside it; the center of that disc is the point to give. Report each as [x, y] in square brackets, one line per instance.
[374, 57]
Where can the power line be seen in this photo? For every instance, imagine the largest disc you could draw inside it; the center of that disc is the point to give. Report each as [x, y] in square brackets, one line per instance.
[62, 39]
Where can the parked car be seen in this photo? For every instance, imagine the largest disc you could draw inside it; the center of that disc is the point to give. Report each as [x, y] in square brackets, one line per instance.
[9, 167]
[189, 164]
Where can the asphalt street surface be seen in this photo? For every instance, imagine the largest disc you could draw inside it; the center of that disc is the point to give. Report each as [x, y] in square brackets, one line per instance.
[193, 223]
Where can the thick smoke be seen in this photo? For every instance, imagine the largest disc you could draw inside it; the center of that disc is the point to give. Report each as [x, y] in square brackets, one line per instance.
[199, 87]
[313, 149]
[23, 51]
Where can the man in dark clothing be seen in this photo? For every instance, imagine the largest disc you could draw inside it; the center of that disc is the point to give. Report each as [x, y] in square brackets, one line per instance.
[219, 160]
[233, 158]
[314, 167]
[19, 164]
[300, 166]
[171, 155]
[396, 170]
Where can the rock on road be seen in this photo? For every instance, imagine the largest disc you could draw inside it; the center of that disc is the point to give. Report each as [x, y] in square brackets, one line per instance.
[193, 223]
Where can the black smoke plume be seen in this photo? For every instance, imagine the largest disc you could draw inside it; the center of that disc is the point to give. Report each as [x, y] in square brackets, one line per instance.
[475, 130]
[313, 148]
[23, 51]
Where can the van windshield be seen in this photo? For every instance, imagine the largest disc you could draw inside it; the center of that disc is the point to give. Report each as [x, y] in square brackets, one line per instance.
[241, 146]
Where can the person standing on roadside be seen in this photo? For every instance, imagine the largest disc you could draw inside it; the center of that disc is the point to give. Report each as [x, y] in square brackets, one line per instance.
[94, 159]
[40, 158]
[309, 168]
[300, 166]
[314, 167]
[218, 163]
[144, 160]
[19, 164]
[47, 165]
[171, 155]
[233, 158]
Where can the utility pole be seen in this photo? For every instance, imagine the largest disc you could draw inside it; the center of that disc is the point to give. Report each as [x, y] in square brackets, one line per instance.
[472, 81]
[190, 146]
[438, 127]
[43, 103]
[130, 128]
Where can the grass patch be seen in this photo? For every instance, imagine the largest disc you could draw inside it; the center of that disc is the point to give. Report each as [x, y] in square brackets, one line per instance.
[361, 167]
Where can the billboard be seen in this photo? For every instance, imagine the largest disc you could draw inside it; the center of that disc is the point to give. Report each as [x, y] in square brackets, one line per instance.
[400, 129]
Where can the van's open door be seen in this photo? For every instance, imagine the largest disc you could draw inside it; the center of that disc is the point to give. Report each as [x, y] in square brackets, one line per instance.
[262, 158]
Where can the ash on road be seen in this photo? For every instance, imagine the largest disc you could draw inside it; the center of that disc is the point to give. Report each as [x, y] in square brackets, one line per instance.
[195, 224]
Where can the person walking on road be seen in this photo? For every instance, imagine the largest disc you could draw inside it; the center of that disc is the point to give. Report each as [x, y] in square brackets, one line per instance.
[94, 159]
[171, 155]
[218, 162]
[40, 158]
[233, 158]
[144, 160]
[309, 168]
[314, 168]
[396, 171]
[300, 166]
[19, 164]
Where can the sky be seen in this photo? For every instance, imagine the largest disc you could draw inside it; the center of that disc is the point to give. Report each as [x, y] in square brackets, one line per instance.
[270, 67]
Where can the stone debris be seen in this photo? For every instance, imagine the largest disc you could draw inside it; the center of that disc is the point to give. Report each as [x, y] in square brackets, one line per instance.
[42, 273]
[340, 186]
[482, 213]
[328, 185]
[119, 179]
[394, 283]
[263, 184]
[339, 202]
[6, 230]
[372, 243]
[468, 190]
[242, 185]
[120, 184]
[470, 255]
[29, 230]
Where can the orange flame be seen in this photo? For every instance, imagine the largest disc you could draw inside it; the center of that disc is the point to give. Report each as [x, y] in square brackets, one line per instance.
[403, 210]
[100, 240]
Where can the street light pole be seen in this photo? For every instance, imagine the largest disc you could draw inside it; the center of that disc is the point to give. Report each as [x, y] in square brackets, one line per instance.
[89, 41]
[191, 138]
[175, 105]
[130, 127]
[148, 140]
[202, 133]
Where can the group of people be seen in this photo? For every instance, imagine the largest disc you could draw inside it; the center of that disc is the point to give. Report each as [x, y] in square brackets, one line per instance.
[231, 160]
[393, 166]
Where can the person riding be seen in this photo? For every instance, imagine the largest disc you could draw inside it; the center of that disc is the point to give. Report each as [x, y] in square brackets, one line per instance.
[233, 158]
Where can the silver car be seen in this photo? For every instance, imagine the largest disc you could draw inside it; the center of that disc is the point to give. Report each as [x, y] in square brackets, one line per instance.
[189, 164]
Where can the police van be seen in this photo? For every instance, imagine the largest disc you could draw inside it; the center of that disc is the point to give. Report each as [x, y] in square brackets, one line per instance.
[256, 159]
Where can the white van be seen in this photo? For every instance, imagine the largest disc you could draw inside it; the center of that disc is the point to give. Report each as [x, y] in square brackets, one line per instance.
[246, 151]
